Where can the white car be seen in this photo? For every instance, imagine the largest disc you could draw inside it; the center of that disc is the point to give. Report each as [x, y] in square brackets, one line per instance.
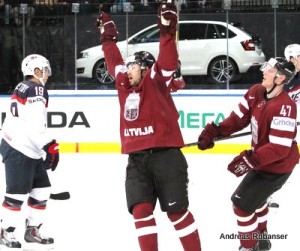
[202, 50]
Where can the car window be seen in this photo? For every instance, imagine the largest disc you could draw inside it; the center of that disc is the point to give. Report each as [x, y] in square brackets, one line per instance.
[187, 31]
[196, 31]
[212, 33]
[148, 36]
[192, 31]
[221, 30]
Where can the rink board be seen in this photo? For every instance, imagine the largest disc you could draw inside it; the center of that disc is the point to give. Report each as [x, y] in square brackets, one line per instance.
[88, 121]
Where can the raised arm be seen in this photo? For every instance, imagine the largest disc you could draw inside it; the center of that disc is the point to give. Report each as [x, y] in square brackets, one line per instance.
[109, 38]
[167, 23]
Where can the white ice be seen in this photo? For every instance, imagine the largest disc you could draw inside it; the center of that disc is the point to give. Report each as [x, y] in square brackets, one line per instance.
[96, 217]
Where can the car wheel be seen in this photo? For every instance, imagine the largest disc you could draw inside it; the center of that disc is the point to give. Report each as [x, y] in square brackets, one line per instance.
[100, 73]
[218, 71]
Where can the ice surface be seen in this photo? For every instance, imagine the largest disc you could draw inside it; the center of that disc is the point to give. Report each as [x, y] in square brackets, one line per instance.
[96, 217]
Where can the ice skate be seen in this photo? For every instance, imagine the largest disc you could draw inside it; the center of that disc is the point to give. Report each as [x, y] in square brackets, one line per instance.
[35, 241]
[264, 244]
[249, 249]
[7, 239]
[272, 203]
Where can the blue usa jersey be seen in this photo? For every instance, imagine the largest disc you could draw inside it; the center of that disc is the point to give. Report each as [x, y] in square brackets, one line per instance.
[293, 88]
[24, 127]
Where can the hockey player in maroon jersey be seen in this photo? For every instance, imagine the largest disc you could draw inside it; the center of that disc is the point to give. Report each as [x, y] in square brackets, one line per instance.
[274, 152]
[150, 134]
[24, 143]
[292, 53]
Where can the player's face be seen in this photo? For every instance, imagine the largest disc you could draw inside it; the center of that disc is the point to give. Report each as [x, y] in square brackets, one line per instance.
[44, 75]
[134, 74]
[269, 74]
[47, 73]
[296, 62]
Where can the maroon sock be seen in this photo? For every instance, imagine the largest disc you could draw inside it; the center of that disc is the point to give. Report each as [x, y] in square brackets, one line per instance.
[146, 226]
[262, 214]
[186, 228]
[248, 227]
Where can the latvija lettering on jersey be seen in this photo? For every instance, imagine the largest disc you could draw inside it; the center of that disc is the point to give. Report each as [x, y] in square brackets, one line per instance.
[138, 131]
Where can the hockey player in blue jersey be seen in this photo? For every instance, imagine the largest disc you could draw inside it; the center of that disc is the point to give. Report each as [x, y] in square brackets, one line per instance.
[24, 144]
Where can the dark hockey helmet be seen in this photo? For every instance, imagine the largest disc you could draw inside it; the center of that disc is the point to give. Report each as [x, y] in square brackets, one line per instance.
[286, 68]
[142, 58]
[283, 66]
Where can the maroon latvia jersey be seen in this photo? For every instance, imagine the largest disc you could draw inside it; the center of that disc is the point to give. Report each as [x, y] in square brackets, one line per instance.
[273, 125]
[148, 116]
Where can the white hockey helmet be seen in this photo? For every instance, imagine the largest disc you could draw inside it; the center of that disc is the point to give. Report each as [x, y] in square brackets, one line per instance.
[292, 50]
[33, 61]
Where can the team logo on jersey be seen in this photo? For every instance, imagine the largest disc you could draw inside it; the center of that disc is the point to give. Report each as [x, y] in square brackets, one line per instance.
[262, 103]
[131, 109]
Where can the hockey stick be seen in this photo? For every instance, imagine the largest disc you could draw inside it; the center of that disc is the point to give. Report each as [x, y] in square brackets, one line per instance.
[225, 138]
[221, 139]
[60, 196]
[178, 5]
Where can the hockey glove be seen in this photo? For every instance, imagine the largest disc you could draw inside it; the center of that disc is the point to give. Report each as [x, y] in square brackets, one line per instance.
[52, 155]
[108, 30]
[177, 73]
[207, 136]
[167, 18]
[242, 163]
[177, 82]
